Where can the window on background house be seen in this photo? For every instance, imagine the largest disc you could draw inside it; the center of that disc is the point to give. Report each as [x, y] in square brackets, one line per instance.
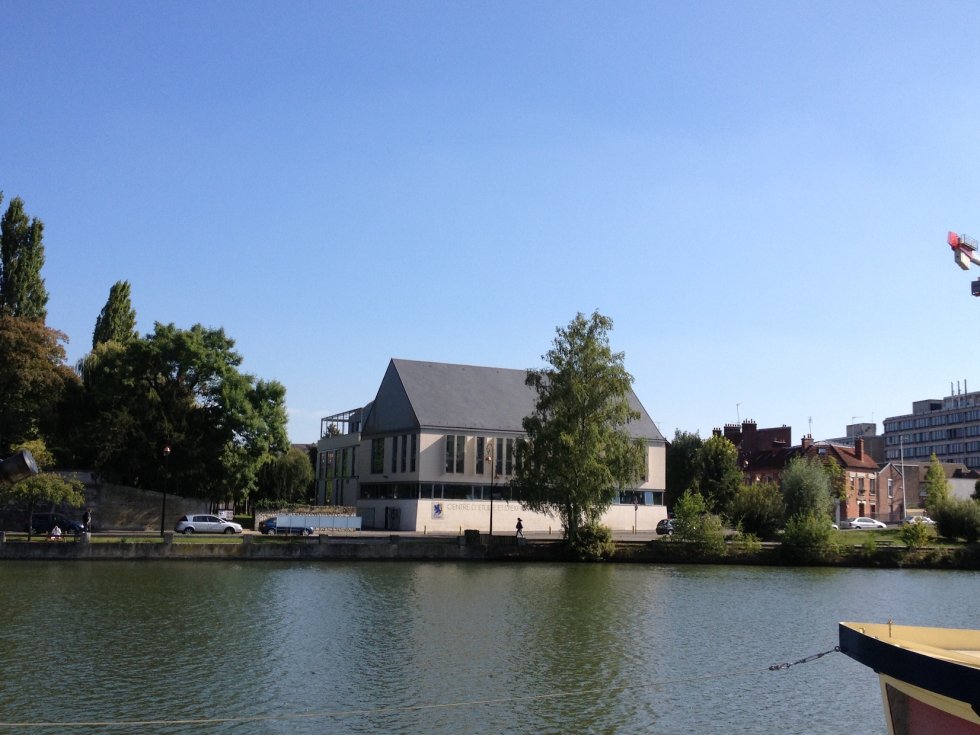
[891, 488]
[377, 456]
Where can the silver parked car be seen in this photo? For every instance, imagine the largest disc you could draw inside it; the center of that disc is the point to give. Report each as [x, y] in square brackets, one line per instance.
[863, 522]
[206, 524]
[920, 519]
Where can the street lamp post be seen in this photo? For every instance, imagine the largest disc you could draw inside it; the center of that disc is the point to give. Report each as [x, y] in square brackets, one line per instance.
[166, 476]
[901, 454]
[489, 458]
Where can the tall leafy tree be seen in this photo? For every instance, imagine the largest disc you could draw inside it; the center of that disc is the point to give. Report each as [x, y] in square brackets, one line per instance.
[936, 485]
[806, 488]
[33, 380]
[22, 290]
[577, 450]
[682, 468]
[180, 389]
[117, 321]
[718, 475]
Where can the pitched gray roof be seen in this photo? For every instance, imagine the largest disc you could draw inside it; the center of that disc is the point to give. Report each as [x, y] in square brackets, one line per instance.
[465, 398]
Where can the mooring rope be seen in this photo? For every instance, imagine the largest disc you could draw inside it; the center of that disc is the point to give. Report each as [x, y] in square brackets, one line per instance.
[328, 714]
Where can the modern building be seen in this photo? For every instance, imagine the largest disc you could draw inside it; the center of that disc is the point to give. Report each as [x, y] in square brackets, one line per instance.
[874, 443]
[947, 427]
[436, 449]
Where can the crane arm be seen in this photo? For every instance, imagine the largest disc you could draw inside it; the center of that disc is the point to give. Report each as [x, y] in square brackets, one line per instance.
[964, 250]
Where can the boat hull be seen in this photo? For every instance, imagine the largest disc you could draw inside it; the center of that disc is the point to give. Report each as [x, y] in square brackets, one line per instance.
[930, 677]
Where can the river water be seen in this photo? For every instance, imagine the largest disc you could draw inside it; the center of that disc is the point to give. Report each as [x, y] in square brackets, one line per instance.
[222, 647]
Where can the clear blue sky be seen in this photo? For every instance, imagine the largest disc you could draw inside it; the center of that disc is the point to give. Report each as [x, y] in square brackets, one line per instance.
[757, 193]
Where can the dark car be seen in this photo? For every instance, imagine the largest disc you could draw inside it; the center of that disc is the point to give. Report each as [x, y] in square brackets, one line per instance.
[271, 527]
[665, 527]
[44, 522]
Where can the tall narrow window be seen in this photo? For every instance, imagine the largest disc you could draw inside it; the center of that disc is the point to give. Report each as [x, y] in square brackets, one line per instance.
[460, 454]
[414, 451]
[455, 453]
[377, 456]
[404, 451]
[499, 457]
[509, 467]
[394, 454]
[479, 455]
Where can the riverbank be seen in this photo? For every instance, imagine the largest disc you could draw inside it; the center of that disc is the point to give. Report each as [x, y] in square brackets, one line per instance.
[399, 547]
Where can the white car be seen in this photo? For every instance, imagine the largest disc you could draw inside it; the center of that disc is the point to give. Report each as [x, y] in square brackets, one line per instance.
[863, 522]
[206, 524]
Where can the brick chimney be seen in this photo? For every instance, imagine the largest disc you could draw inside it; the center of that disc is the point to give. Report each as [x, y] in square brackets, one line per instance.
[806, 442]
[859, 447]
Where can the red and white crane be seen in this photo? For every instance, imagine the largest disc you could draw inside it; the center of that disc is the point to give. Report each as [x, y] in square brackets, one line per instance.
[964, 253]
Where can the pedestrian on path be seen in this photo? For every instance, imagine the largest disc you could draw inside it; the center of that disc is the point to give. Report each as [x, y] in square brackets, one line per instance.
[520, 528]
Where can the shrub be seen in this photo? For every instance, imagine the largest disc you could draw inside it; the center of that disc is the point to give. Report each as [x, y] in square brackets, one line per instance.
[916, 535]
[758, 509]
[809, 537]
[746, 543]
[593, 542]
[958, 518]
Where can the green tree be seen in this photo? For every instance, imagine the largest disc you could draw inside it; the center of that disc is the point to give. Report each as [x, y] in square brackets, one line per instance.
[718, 475]
[286, 478]
[181, 389]
[958, 518]
[936, 485]
[695, 523]
[44, 490]
[682, 468]
[758, 509]
[578, 450]
[838, 480]
[22, 291]
[117, 321]
[806, 488]
[33, 380]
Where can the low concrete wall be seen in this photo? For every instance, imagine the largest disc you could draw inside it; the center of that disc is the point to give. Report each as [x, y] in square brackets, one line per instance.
[313, 548]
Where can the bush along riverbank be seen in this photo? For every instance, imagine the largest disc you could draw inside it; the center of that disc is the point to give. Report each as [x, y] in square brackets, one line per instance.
[866, 554]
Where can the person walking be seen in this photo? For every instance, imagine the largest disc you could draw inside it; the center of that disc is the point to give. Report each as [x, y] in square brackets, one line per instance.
[87, 520]
[520, 528]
